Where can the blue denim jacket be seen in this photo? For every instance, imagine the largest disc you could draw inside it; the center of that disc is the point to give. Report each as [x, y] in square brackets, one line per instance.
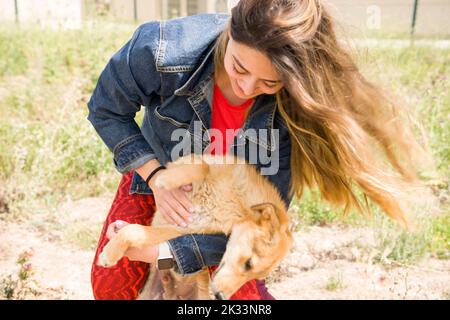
[167, 67]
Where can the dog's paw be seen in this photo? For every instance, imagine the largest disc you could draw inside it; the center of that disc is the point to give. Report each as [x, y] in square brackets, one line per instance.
[105, 261]
[165, 181]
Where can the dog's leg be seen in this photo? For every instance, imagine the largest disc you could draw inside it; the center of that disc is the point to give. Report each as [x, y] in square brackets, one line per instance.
[180, 174]
[153, 289]
[169, 286]
[181, 287]
[135, 235]
[203, 285]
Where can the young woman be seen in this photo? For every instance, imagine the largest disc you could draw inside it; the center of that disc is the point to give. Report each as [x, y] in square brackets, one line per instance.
[274, 65]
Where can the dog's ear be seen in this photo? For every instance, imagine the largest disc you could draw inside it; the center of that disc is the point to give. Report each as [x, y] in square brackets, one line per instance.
[264, 212]
[275, 219]
[268, 212]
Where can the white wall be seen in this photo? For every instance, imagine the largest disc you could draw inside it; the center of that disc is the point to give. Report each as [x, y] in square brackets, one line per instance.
[7, 11]
[358, 15]
[51, 13]
[433, 16]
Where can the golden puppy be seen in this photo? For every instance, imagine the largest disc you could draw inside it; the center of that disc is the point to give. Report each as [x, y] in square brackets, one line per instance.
[231, 198]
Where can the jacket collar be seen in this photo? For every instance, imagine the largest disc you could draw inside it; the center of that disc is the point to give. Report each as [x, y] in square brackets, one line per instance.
[204, 70]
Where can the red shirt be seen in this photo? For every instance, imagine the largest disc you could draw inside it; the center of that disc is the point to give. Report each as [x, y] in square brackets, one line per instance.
[225, 116]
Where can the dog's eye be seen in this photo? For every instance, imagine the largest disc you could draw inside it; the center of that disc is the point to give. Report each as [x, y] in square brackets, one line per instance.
[248, 265]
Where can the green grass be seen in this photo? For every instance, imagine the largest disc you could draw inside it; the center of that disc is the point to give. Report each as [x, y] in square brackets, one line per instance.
[82, 235]
[440, 231]
[49, 151]
[420, 77]
[335, 283]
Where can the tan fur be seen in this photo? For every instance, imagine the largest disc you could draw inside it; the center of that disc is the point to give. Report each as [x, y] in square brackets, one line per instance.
[229, 197]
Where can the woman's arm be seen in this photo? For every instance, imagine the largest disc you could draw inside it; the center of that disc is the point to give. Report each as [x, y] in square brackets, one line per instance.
[191, 252]
[129, 80]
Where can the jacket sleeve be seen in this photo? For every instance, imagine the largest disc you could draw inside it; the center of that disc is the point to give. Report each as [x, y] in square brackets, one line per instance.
[129, 80]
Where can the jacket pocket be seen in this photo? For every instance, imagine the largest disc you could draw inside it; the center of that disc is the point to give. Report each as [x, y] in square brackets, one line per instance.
[169, 119]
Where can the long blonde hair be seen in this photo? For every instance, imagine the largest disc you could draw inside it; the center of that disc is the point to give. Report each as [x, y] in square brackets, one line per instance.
[342, 126]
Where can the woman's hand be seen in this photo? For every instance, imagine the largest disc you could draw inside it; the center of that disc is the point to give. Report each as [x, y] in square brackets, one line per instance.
[173, 204]
[149, 254]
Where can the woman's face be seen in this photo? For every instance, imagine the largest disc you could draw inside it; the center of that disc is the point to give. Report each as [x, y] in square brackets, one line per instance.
[250, 72]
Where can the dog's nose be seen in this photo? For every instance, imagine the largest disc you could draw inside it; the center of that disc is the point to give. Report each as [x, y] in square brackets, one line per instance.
[219, 295]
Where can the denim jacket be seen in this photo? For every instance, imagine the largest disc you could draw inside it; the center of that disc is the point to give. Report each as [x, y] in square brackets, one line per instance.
[168, 67]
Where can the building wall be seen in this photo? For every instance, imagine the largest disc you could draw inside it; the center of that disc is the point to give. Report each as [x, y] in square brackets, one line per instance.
[357, 16]
[7, 11]
[51, 13]
[164, 9]
[145, 10]
[392, 15]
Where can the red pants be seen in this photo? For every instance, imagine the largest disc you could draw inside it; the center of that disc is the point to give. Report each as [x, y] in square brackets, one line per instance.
[124, 280]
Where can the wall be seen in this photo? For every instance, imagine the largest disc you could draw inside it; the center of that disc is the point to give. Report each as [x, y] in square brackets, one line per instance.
[360, 16]
[51, 13]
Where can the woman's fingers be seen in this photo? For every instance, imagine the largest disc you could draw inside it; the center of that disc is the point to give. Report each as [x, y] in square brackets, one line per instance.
[175, 206]
[177, 213]
[170, 215]
[184, 207]
[110, 232]
[165, 214]
[114, 228]
[187, 187]
[187, 204]
[120, 224]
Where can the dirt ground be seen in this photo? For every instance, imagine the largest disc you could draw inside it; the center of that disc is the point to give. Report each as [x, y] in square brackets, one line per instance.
[325, 263]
